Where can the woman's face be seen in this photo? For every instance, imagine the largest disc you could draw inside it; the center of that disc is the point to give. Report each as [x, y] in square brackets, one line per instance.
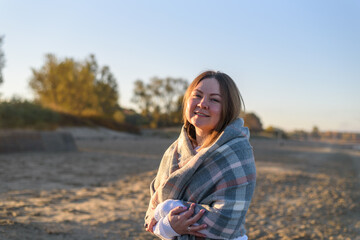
[204, 106]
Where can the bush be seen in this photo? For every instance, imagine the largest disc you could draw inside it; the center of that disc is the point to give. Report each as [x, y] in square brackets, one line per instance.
[94, 121]
[113, 124]
[24, 114]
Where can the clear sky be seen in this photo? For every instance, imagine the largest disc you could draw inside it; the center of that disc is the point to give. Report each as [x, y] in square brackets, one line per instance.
[296, 63]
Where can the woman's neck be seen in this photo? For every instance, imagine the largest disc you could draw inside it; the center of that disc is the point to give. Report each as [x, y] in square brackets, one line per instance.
[201, 137]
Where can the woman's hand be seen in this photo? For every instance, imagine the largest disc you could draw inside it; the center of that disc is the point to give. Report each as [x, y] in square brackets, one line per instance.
[182, 224]
[151, 225]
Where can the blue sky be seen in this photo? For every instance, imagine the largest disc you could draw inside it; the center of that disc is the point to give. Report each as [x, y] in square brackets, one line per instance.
[296, 63]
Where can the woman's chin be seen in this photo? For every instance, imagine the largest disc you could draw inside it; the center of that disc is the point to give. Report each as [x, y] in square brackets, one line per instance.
[201, 127]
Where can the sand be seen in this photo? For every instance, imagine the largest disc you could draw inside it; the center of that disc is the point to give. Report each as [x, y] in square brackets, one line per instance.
[305, 190]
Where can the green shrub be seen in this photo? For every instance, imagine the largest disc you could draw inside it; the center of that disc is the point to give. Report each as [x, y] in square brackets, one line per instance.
[24, 114]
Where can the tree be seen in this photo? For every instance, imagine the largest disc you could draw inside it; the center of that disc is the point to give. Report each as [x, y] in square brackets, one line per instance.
[160, 100]
[167, 91]
[276, 132]
[176, 115]
[2, 60]
[105, 88]
[315, 133]
[253, 122]
[75, 87]
[142, 97]
[299, 135]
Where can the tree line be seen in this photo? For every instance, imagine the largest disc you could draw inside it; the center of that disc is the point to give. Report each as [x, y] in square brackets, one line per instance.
[84, 88]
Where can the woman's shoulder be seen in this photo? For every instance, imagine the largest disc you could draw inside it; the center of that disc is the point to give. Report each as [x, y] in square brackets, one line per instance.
[240, 144]
[236, 151]
[236, 147]
[234, 141]
[172, 147]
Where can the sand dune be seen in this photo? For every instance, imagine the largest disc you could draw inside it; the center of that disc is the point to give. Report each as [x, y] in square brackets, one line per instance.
[304, 190]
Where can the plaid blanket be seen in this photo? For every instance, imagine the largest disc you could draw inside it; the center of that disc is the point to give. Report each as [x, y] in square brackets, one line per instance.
[220, 179]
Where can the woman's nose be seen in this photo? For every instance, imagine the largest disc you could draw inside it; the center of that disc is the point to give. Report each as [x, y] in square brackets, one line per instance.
[203, 103]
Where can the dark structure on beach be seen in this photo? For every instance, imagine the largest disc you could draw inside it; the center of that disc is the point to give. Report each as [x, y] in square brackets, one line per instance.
[35, 141]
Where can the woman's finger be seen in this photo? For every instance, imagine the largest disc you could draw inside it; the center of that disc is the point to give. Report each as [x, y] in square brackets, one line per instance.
[178, 210]
[197, 234]
[190, 212]
[151, 225]
[197, 228]
[196, 217]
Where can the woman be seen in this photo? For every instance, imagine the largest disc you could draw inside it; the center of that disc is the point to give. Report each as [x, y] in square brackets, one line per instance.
[206, 178]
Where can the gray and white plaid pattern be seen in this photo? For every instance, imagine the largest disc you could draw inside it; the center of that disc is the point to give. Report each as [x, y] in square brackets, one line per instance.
[220, 179]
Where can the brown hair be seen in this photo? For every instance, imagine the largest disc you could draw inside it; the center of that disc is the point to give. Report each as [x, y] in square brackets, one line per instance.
[231, 105]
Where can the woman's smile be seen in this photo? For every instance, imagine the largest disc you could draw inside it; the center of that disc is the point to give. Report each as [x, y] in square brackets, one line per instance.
[201, 114]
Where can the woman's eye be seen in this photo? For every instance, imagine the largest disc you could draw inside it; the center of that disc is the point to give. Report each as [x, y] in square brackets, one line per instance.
[215, 100]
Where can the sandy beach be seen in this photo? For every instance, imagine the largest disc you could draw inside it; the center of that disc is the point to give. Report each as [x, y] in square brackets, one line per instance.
[305, 190]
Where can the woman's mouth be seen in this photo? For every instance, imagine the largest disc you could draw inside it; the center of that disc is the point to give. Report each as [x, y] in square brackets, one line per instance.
[201, 114]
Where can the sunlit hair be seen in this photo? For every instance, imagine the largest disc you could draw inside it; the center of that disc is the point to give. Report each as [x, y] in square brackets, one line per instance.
[231, 105]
